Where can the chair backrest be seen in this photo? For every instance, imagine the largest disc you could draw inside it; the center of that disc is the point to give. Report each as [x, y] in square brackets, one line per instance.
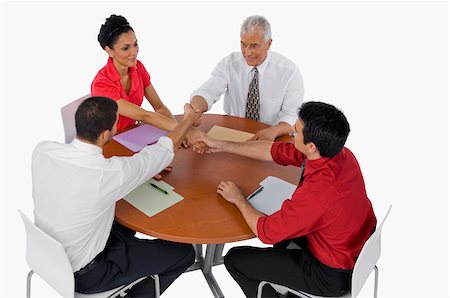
[368, 258]
[48, 259]
[68, 117]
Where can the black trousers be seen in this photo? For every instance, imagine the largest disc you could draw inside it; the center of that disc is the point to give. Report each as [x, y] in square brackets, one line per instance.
[127, 258]
[295, 268]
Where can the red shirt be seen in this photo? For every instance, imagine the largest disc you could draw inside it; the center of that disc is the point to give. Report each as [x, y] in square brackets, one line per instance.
[107, 83]
[330, 208]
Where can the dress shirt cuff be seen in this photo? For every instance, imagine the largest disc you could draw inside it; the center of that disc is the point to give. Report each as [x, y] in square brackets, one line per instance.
[261, 231]
[208, 97]
[166, 142]
[274, 152]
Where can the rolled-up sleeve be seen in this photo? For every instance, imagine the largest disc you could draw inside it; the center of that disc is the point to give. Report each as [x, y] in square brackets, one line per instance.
[298, 216]
[142, 166]
[286, 154]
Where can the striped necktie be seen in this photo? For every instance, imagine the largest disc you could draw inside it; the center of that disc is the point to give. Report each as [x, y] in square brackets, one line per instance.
[252, 107]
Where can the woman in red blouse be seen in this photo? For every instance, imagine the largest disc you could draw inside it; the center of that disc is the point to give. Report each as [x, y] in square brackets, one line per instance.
[125, 79]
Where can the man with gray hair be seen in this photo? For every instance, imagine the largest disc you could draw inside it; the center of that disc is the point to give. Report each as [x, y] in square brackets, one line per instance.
[258, 84]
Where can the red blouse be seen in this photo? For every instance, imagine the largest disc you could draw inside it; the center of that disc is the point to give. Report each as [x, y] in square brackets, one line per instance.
[107, 83]
[330, 208]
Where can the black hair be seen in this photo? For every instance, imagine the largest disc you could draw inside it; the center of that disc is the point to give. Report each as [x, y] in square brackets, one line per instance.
[325, 126]
[111, 30]
[95, 115]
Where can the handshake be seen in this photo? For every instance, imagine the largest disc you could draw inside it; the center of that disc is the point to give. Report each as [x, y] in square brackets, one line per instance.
[191, 115]
[196, 138]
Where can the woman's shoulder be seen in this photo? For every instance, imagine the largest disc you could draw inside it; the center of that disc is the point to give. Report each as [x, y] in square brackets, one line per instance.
[107, 73]
[142, 71]
[140, 66]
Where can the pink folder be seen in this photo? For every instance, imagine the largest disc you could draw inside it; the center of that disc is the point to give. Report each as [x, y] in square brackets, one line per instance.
[137, 138]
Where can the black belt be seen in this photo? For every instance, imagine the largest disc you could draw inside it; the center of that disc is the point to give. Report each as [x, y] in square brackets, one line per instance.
[92, 264]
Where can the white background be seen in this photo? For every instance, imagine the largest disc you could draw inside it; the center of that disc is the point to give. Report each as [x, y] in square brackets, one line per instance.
[385, 64]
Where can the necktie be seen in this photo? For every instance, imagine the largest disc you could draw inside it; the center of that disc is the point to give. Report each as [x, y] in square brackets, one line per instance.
[252, 107]
[302, 171]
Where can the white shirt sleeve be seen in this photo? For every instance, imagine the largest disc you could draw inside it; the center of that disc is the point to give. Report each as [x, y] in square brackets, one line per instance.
[216, 85]
[142, 166]
[292, 99]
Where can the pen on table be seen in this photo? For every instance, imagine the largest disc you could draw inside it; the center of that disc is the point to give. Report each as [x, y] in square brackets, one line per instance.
[256, 192]
[159, 188]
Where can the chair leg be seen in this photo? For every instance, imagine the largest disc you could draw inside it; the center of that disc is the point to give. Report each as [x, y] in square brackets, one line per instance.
[157, 285]
[260, 287]
[375, 287]
[29, 283]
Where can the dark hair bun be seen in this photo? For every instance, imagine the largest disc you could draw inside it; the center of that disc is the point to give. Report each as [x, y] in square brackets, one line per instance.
[111, 29]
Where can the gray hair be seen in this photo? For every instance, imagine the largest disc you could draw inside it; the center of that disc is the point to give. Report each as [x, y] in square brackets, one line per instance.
[253, 23]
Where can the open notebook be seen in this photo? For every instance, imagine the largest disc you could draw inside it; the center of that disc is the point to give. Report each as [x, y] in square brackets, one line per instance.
[271, 194]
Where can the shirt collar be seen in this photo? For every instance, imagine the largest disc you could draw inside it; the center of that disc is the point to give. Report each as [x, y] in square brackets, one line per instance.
[112, 71]
[262, 67]
[313, 165]
[86, 146]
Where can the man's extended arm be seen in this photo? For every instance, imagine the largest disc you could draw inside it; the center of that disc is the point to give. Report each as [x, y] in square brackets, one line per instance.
[254, 149]
[270, 133]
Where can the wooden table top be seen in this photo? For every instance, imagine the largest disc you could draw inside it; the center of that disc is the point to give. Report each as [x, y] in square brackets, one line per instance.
[203, 216]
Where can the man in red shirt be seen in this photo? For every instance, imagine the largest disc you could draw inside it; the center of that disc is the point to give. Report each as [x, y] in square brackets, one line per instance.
[329, 216]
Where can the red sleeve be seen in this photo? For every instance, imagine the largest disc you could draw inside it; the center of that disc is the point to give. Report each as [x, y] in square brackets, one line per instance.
[143, 73]
[286, 154]
[102, 86]
[297, 217]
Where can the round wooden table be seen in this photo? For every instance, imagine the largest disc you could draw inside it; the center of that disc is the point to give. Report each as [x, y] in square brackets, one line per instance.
[203, 216]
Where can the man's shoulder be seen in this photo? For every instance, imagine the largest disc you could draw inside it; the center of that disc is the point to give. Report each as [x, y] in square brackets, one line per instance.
[233, 58]
[49, 144]
[282, 61]
[48, 148]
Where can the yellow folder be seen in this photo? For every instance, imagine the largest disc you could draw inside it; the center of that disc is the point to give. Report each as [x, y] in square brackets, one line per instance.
[153, 197]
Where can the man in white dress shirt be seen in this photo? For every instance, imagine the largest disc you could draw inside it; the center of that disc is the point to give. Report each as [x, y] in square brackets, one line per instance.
[279, 83]
[75, 189]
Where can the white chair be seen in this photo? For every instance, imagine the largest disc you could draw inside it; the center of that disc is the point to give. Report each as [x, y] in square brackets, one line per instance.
[364, 265]
[48, 259]
[68, 117]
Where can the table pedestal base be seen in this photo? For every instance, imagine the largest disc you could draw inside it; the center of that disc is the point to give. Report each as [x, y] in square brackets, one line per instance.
[212, 258]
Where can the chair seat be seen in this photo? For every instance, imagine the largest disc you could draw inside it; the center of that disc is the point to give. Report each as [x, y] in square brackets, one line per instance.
[117, 292]
[101, 294]
[283, 290]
